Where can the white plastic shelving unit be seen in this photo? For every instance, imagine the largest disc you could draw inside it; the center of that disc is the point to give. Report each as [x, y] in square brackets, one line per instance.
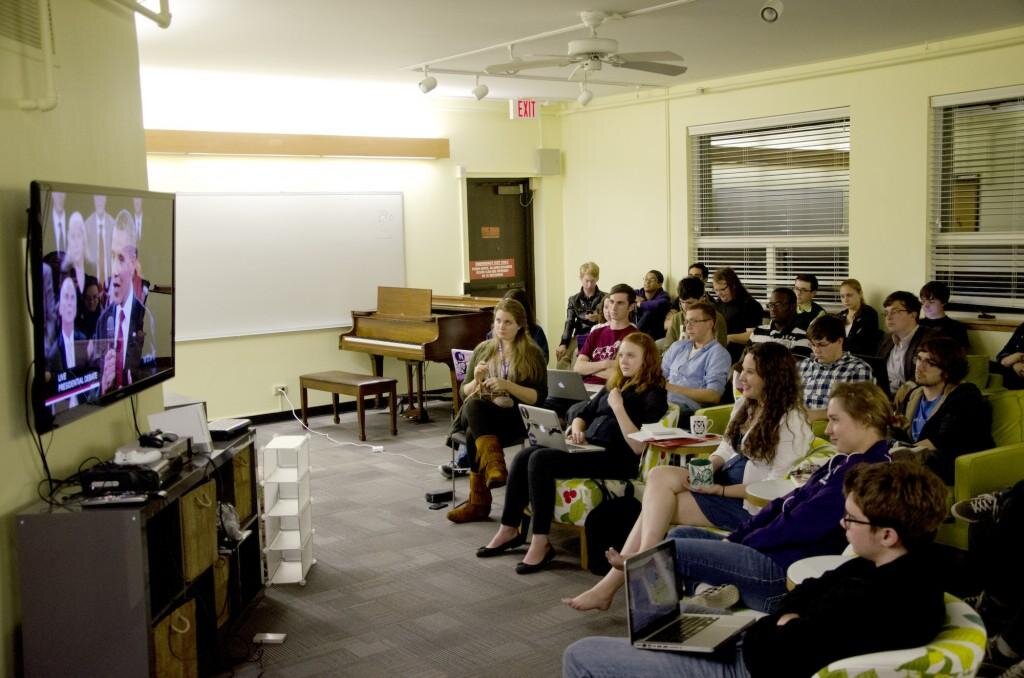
[287, 514]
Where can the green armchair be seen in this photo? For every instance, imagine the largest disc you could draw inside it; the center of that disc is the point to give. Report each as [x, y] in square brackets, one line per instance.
[992, 469]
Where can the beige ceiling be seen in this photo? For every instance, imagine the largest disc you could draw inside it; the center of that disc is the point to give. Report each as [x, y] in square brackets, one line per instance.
[379, 41]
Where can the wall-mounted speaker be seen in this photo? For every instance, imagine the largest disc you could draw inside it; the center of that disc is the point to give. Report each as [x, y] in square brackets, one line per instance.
[548, 161]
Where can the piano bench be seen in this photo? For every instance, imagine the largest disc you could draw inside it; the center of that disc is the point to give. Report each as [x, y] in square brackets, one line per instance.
[358, 386]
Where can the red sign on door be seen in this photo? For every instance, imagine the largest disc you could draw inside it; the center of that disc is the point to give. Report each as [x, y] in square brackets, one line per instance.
[492, 268]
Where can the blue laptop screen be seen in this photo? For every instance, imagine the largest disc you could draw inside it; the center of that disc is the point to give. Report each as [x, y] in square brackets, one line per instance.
[653, 596]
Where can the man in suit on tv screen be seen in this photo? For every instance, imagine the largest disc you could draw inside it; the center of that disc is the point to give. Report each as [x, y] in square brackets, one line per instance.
[125, 328]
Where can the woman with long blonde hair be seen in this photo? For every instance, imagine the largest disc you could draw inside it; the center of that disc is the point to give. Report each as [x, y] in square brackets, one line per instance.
[507, 369]
[634, 395]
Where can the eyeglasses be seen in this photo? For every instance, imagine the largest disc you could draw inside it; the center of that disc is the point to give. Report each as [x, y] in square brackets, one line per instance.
[777, 304]
[848, 520]
[691, 323]
[893, 311]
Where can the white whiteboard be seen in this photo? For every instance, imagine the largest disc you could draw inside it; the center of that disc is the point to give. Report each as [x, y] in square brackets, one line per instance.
[257, 263]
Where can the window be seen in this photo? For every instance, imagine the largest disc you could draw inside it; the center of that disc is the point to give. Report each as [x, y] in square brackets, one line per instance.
[977, 197]
[771, 199]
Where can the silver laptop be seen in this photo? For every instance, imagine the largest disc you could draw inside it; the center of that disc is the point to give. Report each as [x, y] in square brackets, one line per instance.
[653, 616]
[567, 385]
[544, 428]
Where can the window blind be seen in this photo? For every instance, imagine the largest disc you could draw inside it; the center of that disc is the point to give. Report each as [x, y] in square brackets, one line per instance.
[773, 201]
[976, 198]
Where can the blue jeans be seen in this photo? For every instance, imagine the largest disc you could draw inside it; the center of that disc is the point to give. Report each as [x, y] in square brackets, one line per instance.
[601, 657]
[702, 556]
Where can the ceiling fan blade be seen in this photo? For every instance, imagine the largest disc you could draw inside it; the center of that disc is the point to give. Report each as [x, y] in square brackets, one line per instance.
[653, 67]
[516, 66]
[649, 56]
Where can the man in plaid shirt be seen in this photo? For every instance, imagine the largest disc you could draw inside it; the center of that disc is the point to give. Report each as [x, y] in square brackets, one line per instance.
[828, 364]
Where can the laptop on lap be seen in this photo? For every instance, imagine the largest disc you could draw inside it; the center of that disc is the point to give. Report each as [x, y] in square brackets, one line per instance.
[652, 604]
[544, 428]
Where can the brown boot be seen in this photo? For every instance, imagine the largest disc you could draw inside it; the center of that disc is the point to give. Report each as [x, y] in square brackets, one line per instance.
[477, 507]
[491, 461]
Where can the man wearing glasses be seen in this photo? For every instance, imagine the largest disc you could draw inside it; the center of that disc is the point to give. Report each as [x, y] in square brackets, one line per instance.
[829, 363]
[900, 346]
[943, 416]
[806, 286]
[697, 366]
[782, 328]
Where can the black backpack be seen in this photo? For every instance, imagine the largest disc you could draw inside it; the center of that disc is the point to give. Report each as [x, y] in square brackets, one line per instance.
[608, 525]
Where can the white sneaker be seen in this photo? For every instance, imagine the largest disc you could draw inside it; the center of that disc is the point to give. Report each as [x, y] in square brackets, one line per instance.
[720, 597]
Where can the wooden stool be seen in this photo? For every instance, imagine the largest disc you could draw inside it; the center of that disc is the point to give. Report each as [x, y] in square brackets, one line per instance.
[356, 385]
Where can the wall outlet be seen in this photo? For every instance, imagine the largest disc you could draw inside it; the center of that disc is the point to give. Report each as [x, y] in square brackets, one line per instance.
[280, 390]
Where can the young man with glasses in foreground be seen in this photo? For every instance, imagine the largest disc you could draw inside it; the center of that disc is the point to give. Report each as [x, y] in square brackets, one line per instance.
[889, 598]
[829, 363]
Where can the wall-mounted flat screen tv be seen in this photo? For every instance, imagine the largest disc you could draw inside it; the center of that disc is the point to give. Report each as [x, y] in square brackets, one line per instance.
[102, 275]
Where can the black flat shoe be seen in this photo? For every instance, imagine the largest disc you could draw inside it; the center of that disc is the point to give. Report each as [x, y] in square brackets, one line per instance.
[523, 568]
[491, 551]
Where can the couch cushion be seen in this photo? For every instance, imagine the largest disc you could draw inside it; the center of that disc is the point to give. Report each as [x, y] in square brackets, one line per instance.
[1007, 414]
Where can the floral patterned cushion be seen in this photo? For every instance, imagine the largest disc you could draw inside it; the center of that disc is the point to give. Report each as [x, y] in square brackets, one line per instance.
[958, 650]
[576, 497]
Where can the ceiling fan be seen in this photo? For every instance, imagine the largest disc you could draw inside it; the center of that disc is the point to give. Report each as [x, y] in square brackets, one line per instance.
[590, 54]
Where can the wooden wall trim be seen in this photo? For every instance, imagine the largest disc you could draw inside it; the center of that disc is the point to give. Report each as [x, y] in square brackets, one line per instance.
[241, 143]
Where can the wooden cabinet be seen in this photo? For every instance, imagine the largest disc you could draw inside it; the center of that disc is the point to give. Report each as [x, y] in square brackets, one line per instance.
[145, 589]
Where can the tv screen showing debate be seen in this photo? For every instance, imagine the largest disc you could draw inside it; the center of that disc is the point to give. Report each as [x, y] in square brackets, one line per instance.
[103, 273]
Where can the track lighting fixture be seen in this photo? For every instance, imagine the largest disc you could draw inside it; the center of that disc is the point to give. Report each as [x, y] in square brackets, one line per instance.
[585, 94]
[428, 82]
[480, 91]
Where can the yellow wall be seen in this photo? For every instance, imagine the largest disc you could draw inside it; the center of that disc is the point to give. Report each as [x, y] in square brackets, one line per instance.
[93, 136]
[617, 182]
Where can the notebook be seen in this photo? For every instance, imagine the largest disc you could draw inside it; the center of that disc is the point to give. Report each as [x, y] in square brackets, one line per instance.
[653, 616]
[544, 428]
[567, 385]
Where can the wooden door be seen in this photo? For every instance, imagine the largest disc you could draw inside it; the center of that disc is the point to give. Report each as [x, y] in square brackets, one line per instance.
[500, 236]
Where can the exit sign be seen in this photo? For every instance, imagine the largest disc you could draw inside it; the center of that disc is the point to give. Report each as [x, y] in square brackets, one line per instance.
[522, 109]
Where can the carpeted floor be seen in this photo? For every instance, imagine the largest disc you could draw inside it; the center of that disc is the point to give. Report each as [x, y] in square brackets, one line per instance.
[396, 589]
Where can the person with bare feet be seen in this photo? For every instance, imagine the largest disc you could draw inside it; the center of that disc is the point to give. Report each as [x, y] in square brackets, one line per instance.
[751, 562]
[634, 395]
[766, 435]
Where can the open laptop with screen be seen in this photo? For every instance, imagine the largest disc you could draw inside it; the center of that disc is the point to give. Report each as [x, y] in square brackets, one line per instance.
[652, 603]
[544, 428]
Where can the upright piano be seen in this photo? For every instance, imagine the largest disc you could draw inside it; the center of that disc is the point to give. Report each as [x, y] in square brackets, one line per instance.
[414, 325]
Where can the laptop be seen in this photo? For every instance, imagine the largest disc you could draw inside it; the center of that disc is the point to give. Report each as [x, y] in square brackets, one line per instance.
[544, 428]
[567, 385]
[652, 603]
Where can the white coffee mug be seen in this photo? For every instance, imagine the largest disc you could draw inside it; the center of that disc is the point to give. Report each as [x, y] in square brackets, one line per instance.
[699, 425]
